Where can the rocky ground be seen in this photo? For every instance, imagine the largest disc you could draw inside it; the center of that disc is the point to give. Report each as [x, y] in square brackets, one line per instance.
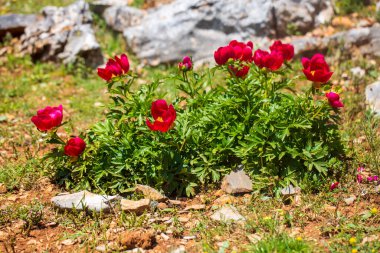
[217, 219]
[208, 222]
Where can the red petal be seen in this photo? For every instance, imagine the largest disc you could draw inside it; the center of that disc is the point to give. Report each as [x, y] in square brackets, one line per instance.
[305, 62]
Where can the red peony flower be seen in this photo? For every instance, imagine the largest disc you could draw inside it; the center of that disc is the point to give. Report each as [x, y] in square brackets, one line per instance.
[334, 99]
[48, 118]
[223, 54]
[75, 146]
[242, 51]
[186, 64]
[163, 115]
[334, 185]
[114, 67]
[272, 61]
[316, 69]
[286, 50]
[236, 51]
[123, 62]
[240, 71]
[104, 74]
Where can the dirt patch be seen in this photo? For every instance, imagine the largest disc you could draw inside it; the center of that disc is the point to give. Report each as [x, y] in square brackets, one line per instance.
[138, 239]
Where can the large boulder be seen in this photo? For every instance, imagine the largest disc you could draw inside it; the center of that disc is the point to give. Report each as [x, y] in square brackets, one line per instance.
[15, 24]
[197, 27]
[63, 34]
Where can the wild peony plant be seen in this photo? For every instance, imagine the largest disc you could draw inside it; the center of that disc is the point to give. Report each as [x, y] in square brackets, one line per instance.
[245, 111]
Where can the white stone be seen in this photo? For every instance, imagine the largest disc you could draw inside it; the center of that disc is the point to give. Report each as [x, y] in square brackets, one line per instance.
[372, 94]
[227, 213]
[84, 200]
[237, 182]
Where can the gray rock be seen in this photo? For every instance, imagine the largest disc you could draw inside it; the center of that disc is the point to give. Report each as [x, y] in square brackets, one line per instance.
[99, 6]
[150, 193]
[372, 94]
[198, 27]
[135, 206]
[101, 248]
[290, 190]
[227, 213]
[357, 72]
[365, 39]
[180, 249]
[82, 42]
[195, 27]
[237, 182]
[121, 17]
[300, 15]
[325, 14]
[15, 23]
[84, 200]
[349, 200]
[63, 34]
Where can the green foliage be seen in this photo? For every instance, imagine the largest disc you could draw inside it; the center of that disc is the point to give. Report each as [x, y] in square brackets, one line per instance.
[280, 243]
[349, 6]
[278, 135]
[16, 176]
[31, 214]
[29, 6]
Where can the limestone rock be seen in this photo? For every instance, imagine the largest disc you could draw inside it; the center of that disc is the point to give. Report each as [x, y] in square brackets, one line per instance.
[180, 249]
[365, 39]
[135, 206]
[302, 15]
[122, 17]
[15, 23]
[290, 190]
[227, 213]
[84, 200]
[62, 34]
[99, 6]
[82, 42]
[150, 193]
[237, 182]
[197, 27]
[358, 72]
[349, 200]
[372, 94]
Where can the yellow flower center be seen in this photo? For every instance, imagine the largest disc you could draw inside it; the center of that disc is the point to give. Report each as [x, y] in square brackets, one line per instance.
[159, 119]
[312, 72]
